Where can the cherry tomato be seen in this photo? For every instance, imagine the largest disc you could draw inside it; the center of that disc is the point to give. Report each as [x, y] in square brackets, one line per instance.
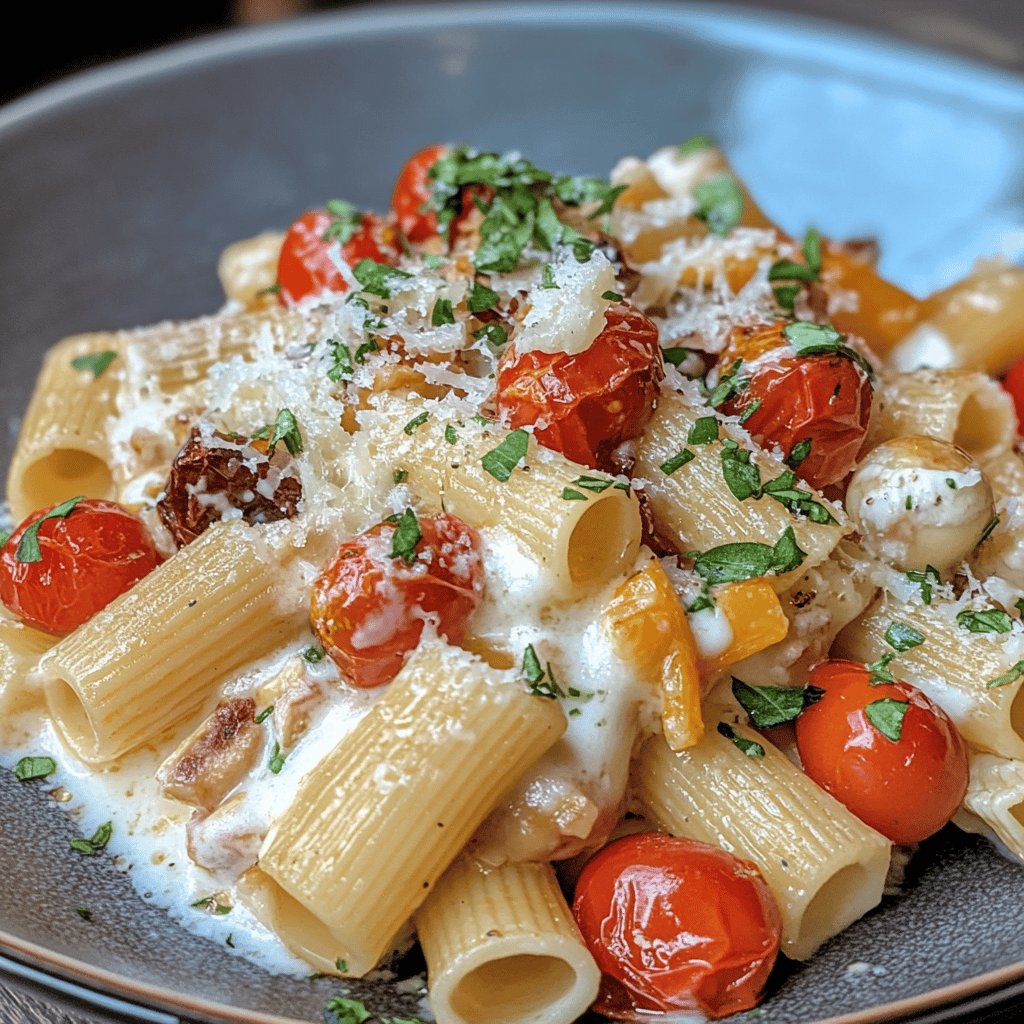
[675, 924]
[305, 266]
[821, 399]
[89, 556]
[368, 608]
[906, 788]
[588, 403]
[412, 190]
[1013, 382]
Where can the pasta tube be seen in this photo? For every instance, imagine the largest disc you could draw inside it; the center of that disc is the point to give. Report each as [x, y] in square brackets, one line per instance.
[502, 948]
[247, 269]
[995, 800]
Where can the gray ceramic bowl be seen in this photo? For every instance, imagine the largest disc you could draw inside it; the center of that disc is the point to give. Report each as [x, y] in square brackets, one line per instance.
[121, 186]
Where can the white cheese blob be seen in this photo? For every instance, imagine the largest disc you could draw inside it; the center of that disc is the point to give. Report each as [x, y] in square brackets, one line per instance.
[568, 318]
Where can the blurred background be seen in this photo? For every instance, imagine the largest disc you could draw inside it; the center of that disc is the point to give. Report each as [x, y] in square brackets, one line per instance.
[83, 35]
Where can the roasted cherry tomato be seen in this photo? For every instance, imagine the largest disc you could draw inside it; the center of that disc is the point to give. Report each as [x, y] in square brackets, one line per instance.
[370, 602]
[588, 403]
[412, 191]
[791, 400]
[907, 788]
[305, 266]
[1014, 384]
[87, 555]
[675, 924]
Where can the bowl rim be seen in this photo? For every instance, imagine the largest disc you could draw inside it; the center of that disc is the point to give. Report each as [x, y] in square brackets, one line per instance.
[902, 61]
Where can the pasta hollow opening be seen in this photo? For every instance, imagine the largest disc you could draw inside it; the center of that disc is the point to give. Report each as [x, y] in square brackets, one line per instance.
[838, 903]
[981, 424]
[512, 989]
[71, 718]
[62, 474]
[1017, 712]
[601, 539]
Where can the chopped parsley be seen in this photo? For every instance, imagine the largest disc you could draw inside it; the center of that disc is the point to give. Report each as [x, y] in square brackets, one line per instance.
[406, 536]
[417, 421]
[680, 459]
[342, 366]
[750, 410]
[611, 296]
[886, 715]
[28, 547]
[450, 435]
[377, 278]
[569, 494]
[347, 220]
[543, 682]
[95, 362]
[1011, 676]
[950, 483]
[901, 636]
[677, 355]
[400, 476]
[338, 1010]
[991, 620]
[798, 453]
[29, 768]
[442, 313]
[494, 334]
[731, 563]
[277, 759]
[502, 460]
[313, 654]
[773, 705]
[927, 580]
[810, 270]
[482, 298]
[703, 431]
[811, 339]
[729, 386]
[987, 532]
[96, 843]
[703, 600]
[264, 714]
[547, 279]
[878, 671]
[212, 906]
[719, 203]
[365, 349]
[741, 477]
[695, 143]
[341, 965]
[286, 429]
[749, 747]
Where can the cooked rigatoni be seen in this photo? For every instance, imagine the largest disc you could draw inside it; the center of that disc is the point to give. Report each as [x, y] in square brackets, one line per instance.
[825, 867]
[995, 800]
[248, 269]
[396, 802]
[503, 948]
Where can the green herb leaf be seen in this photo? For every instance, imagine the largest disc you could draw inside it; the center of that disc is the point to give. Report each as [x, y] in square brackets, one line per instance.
[676, 356]
[286, 429]
[339, 1010]
[886, 715]
[578, 191]
[731, 563]
[987, 532]
[812, 249]
[750, 410]
[84, 913]
[719, 203]
[926, 580]
[313, 654]
[785, 491]
[95, 362]
[680, 459]
[787, 270]
[482, 298]
[443, 313]
[212, 906]
[377, 278]
[342, 366]
[400, 476]
[547, 279]
[29, 768]
[543, 682]
[787, 554]
[695, 144]
[341, 965]
[365, 349]
[878, 671]
[597, 484]
[901, 636]
[417, 421]
[572, 495]
[991, 620]
[96, 843]
[502, 460]
[1019, 605]
[531, 665]
[742, 477]
[811, 339]
[347, 221]
[773, 705]
[785, 296]
[703, 431]
[450, 435]
[729, 386]
[494, 334]
[264, 714]
[611, 296]
[28, 547]
[749, 747]
[5, 536]
[1008, 677]
[798, 453]
[406, 536]
[277, 759]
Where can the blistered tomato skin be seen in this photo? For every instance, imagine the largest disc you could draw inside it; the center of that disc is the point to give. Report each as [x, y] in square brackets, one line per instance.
[821, 399]
[1013, 382]
[412, 191]
[907, 789]
[305, 266]
[89, 557]
[586, 404]
[369, 609]
[674, 925]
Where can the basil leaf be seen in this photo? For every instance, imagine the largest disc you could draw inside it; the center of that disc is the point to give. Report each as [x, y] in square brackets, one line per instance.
[703, 431]
[811, 339]
[675, 356]
[28, 547]
[96, 843]
[799, 452]
[314, 655]
[450, 435]
[812, 249]
[365, 349]
[405, 538]
[482, 298]
[339, 1010]
[926, 580]
[785, 296]
[377, 278]
[342, 365]
[571, 495]
[787, 270]
[502, 460]
[741, 476]
[277, 759]
[95, 362]
[729, 386]
[719, 203]
[286, 429]
[702, 601]
[731, 563]
[531, 665]
[611, 296]
[991, 620]
[494, 334]
[680, 459]
[417, 421]
[901, 636]
[749, 747]
[597, 484]
[695, 144]
[213, 906]
[442, 313]
[264, 714]
[773, 705]
[878, 671]
[787, 554]
[547, 278]
[783, 489]
[1008, 677]
[29, 768]
[886, 715]
[347, 221]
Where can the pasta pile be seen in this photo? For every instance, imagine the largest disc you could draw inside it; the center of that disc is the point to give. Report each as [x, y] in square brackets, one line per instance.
[541, 513]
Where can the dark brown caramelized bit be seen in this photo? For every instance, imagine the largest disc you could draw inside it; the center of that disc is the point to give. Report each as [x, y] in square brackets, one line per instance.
[213, 760]
[215, 472]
